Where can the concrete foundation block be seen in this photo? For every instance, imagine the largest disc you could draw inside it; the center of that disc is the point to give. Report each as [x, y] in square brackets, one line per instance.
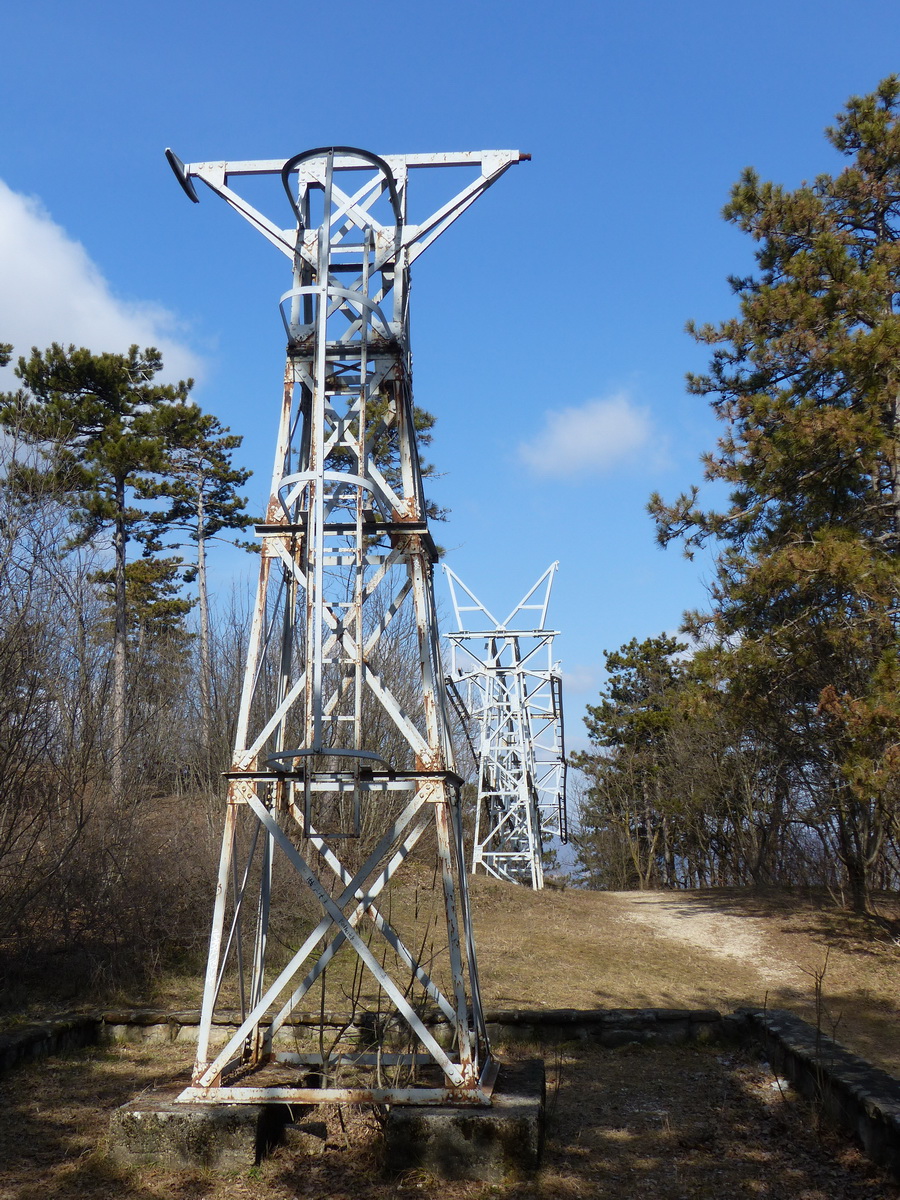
[231, 1137]
[486, 1144]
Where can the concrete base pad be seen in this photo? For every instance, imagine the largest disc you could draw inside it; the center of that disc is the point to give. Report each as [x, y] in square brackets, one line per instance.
[228, 1137]
[474, 1143]
[451, 1143]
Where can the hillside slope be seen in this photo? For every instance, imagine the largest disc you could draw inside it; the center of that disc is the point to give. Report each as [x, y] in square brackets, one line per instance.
[707, 949]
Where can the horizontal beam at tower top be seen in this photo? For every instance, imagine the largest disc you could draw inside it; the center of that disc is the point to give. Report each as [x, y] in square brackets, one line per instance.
[345, 162]
[409, 239]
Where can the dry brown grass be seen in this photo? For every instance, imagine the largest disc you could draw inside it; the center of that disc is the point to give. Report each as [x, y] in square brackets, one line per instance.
[663, 1123]
[672, 1123]
[722, 948]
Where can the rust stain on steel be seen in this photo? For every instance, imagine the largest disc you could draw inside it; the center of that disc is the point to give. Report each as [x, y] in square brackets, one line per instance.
[473, 1097]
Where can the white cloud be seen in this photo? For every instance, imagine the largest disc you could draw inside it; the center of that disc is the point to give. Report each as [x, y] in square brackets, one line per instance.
[53, 292]
[579, 679]
[591, 437]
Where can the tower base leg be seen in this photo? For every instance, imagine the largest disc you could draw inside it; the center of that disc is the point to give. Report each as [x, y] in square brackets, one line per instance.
[487, 1144]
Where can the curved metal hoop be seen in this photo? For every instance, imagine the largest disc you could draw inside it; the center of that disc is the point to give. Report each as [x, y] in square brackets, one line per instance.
[373, 159]
[324, 292]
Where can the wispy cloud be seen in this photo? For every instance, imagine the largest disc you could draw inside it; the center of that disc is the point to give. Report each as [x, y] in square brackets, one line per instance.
[581, 678]
[591, 437]
[53, 291]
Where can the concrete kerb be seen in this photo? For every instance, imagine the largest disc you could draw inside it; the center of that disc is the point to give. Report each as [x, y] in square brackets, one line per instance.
[851, 1093]
[610, 1027]
[56, 1036]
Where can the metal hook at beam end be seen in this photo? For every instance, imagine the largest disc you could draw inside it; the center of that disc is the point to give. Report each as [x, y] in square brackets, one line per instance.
[182, 176]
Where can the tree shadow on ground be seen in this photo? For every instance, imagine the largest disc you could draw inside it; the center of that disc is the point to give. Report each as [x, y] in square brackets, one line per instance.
[54, 1116]
[853, 1017]
[682, 1121]
[666, 1122]
[804, 954]
[813, 912]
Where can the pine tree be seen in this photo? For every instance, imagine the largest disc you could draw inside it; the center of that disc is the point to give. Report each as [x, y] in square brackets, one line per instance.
[806, 380]
[629, 773]
[155, 608]
[198, 489]
[97, 424]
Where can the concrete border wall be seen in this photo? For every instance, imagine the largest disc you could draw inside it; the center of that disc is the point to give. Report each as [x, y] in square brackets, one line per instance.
[57, 1036]
[610, 1027]
[849, 1092]
[852, 1094]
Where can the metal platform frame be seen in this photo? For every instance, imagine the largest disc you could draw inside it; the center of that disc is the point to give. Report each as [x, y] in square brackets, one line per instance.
[505, 683]
[346, 552]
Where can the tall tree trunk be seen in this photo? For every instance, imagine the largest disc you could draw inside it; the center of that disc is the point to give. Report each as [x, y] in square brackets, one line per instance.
[668, 853]
[205, 699]
[119, 646]
[895, 467]
[851, 849]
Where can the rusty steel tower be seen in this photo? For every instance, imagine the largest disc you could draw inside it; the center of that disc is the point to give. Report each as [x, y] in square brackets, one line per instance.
[343, 778]
[505, 684]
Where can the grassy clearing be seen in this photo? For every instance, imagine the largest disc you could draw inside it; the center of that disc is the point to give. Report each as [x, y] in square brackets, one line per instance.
[713, 949]
[664, 1123]
[723, 949]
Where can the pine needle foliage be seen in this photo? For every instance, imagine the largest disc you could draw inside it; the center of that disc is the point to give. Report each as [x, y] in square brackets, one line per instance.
[806, 381]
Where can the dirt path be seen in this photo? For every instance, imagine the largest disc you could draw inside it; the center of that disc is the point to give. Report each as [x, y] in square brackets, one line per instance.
[722, 935]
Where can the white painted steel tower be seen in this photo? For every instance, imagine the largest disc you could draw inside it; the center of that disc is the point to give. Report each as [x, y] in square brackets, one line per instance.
[508, 688]
[343, 773]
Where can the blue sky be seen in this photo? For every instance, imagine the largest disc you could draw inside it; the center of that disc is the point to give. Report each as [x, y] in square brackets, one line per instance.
[548, 323]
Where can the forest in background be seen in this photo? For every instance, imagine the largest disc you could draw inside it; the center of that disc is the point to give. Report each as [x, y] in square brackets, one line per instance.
[120, 675]
[765, 749]
[116, 705]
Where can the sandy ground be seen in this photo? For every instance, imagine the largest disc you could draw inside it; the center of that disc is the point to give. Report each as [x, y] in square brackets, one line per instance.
[721, 935]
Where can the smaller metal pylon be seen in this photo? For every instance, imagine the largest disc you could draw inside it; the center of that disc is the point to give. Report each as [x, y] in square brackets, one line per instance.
[507, 688]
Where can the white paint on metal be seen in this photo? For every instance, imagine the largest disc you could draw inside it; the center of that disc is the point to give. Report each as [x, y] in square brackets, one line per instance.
[509, 688]
[346, 553]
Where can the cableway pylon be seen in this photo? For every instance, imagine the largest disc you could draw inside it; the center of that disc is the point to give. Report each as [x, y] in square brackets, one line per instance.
[343, 782]
[507, 690]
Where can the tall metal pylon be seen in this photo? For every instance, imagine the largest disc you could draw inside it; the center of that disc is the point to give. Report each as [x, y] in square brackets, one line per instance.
[504, 681]
[343, 767]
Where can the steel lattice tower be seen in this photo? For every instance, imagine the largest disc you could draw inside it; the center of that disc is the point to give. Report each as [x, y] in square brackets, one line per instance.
[316, 794]
[505, 683]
